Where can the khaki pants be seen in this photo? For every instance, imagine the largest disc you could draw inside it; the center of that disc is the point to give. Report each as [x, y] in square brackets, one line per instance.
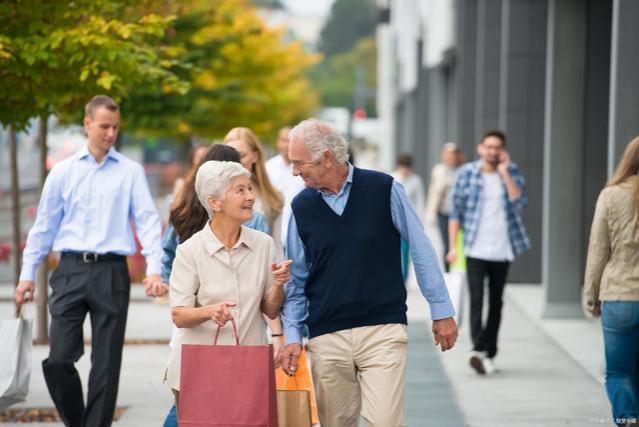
[360, 370]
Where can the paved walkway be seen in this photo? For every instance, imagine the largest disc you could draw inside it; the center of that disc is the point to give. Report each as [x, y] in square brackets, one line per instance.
[540, 382]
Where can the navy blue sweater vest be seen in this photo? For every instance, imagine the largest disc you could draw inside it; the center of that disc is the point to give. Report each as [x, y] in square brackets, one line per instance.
[355, 276]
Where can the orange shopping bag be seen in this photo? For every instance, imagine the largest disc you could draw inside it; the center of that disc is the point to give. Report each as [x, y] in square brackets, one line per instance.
[303, 382]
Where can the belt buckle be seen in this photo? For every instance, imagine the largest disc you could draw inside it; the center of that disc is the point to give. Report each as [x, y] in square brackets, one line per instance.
[86, 257]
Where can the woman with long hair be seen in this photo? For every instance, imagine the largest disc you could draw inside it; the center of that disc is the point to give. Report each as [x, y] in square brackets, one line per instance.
[611, 288]
[268, 200]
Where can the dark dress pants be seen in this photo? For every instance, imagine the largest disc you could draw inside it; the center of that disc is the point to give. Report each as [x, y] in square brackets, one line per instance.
[484, 336]
[102, 290]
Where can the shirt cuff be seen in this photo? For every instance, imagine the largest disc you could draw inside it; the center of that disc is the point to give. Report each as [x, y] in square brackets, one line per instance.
[28, 272]
[293, 336]
[441, 310]
[153, 267]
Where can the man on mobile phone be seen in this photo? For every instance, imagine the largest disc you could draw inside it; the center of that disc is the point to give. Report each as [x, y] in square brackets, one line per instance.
[486, 200]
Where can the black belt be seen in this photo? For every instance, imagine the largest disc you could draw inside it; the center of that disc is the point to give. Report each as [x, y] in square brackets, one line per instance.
[93, 257]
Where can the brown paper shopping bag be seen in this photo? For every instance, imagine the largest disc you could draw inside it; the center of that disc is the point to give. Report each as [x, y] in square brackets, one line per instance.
[294, 407]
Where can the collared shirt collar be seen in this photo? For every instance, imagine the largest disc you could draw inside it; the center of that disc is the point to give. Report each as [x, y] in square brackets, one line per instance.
[213, 244]
[85, 153]
[349, 181]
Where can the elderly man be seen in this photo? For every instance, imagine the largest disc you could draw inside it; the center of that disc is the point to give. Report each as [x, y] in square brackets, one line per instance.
[88, 203]
[347, 283]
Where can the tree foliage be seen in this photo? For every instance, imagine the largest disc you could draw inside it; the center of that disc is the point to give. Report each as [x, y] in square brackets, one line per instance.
[55, 55]
[242, 73]
[348, 23]
[337, 77]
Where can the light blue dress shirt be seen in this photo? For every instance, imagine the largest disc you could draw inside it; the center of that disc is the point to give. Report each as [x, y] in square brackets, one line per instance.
[427, 270]
[90, 207]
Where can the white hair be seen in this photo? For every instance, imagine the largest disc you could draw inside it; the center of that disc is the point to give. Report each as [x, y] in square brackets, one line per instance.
[213, 179]
[320, 137]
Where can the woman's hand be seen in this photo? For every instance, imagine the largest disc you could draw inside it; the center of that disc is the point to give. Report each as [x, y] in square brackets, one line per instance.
[278, 349]
[281, 272]
[220, 313]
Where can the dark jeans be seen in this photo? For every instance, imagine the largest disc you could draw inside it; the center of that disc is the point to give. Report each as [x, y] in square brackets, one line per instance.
[100, 289]
[484, 336]
[620, 321]
[442, 223]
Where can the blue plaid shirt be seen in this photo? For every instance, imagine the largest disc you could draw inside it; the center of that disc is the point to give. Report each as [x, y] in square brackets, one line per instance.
[467, 205]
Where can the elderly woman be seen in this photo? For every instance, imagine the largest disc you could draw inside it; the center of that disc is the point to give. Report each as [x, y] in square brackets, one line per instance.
[225, 271]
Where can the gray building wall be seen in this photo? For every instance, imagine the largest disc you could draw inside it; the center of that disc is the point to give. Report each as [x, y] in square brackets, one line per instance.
[568, 110]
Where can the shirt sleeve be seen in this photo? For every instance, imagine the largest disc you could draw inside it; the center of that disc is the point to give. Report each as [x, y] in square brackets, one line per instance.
[43, 232]
[518, 177]
[258, 222]
[458, 198]
[147, 222]
[170, 242]
[427, 270]
[294, 310]
[184, 281]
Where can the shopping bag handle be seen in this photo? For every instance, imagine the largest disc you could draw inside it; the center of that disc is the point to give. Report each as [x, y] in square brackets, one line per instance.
[19, 310]
[237, 337]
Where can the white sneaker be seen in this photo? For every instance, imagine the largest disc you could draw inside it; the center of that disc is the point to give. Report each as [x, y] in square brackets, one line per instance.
[489, 366]
[477, 360]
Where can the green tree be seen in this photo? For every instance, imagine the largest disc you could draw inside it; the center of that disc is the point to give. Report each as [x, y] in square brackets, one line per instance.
[241, 72]
[349, 78]
[54, 55]
[348, 22]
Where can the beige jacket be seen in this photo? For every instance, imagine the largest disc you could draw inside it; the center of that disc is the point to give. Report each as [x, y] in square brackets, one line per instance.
[612, 267]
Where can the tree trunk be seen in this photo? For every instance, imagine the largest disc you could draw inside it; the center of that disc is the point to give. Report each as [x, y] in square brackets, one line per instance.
[15, 206]
[42, 286]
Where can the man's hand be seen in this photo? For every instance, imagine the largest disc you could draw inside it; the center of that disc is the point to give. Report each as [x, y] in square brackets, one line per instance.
[290, 358]
[504, 162]
[445, 333]
[25, 291]
[153, 286]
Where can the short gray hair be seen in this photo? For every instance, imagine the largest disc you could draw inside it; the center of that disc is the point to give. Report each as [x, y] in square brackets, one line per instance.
[213, 179]
[319, 137]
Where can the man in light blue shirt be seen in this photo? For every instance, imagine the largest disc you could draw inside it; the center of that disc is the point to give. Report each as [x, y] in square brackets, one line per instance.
[347, 285]
[88, 205]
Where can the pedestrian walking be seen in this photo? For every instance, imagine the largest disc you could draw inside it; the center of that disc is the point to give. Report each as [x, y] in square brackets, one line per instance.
[85, 213]
[487, 197]
[224, 271]
[346, 283]
[187, 217]
[438, 200]
[611, 287]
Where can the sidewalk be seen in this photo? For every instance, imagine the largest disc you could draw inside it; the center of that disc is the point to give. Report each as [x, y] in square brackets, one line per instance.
[540, 383]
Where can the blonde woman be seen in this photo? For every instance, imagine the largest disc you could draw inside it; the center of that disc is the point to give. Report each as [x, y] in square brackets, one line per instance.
[611, 287]
[268, 201]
